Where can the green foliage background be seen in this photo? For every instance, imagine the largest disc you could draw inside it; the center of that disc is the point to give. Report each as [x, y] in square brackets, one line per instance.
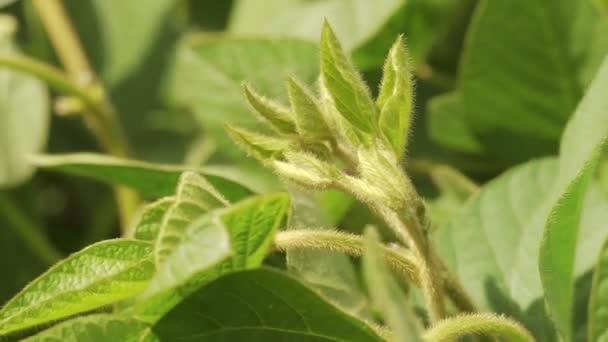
[496, 84]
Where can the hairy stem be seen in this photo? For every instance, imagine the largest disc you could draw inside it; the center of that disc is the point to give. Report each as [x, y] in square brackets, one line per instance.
[430, 280]
[452, 329]
[100, 115]
[400, 261]
[27, 231]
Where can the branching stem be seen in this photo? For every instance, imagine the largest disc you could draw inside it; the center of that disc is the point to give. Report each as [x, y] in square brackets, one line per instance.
[100, 115]
[402, 261]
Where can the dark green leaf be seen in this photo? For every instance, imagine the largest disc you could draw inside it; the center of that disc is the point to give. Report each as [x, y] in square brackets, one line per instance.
[525, 68]
[151, 180]
[260, 305]
[447, 124]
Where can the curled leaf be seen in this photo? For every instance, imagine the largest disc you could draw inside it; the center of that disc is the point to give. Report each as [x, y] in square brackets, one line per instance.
[275, 114]
[307, 170]
[310, 121]
[345, 86]
[396, 98]
[259, 146]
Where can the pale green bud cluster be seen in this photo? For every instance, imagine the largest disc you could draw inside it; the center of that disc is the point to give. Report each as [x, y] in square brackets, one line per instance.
[317, 134]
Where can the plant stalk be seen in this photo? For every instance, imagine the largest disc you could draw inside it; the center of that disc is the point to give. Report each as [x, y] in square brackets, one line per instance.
[27, 231]
[402, 261]
[453, 329]
[100, 116]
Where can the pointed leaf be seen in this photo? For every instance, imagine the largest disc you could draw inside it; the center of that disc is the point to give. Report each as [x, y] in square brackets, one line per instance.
[310, 120]
[219, 66]
[582, 144]
[151, 180]
[307, 170]
[396, 98]
[151, 218]
[346, 88]
[194, 197]
[260, 305]
[95, 328]
[276, 115]
[100, 274]
[386, 293]
[259, 146]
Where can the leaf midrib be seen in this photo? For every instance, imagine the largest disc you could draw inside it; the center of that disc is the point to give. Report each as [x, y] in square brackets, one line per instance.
[6, 321]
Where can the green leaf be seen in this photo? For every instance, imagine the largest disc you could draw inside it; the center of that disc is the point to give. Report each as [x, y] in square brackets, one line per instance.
[260, 146]
[250, 226]
[368, 28]
[386, 293]
[584, 139]
[100, 274]
[347, 90]
[597, 329]
[330, 273]
[203, 245]
[122, 38]
[506, 219]
[447, 124]
[24, 107]
[301, 18]
[276, 115]
[95, 328]
[310, 120]
[219, 66]
[260, 305]
[194, 197]
[151, 218]
[505, 94]
[151, 180]
[396, 97]
[454, 191]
